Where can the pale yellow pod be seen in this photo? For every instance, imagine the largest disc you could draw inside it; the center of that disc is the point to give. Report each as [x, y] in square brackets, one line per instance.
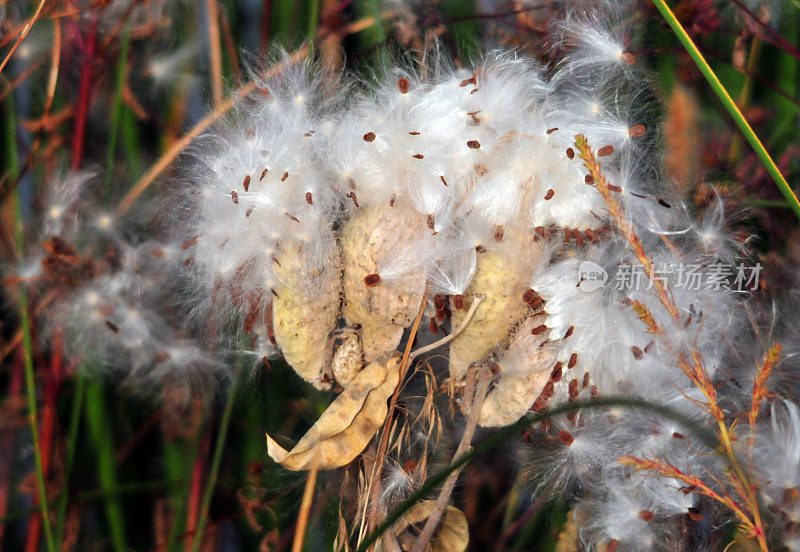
[305, 310]
[525, 369]
[502, 276]
[383, 307]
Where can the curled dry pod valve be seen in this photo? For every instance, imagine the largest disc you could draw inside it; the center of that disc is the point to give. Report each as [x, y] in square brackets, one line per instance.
[501, 276]
[525, 370]
[305, 308]
[383, 307]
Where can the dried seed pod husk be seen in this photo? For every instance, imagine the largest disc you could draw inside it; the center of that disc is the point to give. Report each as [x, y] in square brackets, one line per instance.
[525, 370]
[451, 535]
[348, 354]
[346, 427]
[501, 276]
[305, 308]
[385, 308]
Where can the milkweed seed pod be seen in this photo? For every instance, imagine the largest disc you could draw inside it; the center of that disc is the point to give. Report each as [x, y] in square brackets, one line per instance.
[501, 277]
[526, 368]
[374, 241]
[305, 307]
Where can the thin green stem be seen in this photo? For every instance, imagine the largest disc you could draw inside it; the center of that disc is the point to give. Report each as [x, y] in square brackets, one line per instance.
[213, 474]
[116, 108]
[12, 161]
[729, 104]
[72, 439]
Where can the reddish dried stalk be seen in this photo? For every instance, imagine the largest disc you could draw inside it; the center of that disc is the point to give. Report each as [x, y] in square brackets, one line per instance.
[693, 367]
[760, 382]
[84, 98]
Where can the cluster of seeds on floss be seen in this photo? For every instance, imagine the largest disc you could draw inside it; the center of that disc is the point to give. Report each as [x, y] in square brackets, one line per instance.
[328, 217]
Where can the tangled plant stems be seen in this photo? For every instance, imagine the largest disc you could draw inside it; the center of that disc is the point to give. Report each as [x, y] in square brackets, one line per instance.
[457, 214]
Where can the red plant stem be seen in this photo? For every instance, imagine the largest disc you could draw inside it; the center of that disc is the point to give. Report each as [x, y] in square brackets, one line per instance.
[196, 491]
[8, 440]
[49, 416]
[84, 98]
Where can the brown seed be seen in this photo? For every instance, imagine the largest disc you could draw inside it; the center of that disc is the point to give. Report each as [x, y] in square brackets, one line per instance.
[549, 195]
[473, 144]
[646, 515]
[614, 188]
[409, 466]
[557, 372]
[571, 153]
[694, 514]
[552, 130]
[458, 302]
[638, 354]
[569, 332]
[248, 212]
[369, 137]
[627, 58]
[573, 360]
[438, 302]
[605, 151]
[677, 435]
[573, 388]
[541, 231]
[235, 197]
[371, 280]
[499, 234]
[636, 131]
[593, 391]
[309, 199]
[548, 390]
[285, 176]
[263, 174]
[467, 82]
[529, 296]
[414, 133]
[431, 222]
[585, 382]
[403, 85]
[612, 545]
[418, 156]
[190, 242]
[589, 179]
[565, 437]
[433, 326]
[111, 326]
[352, 195]
[567, 235]
[246, 183]
[539, 329]
[391, 201]
[443, 180]
[664, 203]
[291, 216]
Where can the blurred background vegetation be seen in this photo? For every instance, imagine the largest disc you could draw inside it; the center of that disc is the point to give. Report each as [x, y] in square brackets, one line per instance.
[116, 87]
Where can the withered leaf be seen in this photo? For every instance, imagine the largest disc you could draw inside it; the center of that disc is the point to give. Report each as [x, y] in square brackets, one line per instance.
[451, 535]
[346, 427]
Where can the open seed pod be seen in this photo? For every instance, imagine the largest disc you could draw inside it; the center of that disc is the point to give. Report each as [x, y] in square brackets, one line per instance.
[501, 276]
[306, 307]
[382, 306]
[347, 425]
[451, 535]
[525, 370]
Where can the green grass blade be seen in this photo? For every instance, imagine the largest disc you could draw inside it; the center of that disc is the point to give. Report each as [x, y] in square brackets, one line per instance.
[72, 439]
[116, 108]
[12, 162]
[101, 437]
[729, 104]
[213, 474]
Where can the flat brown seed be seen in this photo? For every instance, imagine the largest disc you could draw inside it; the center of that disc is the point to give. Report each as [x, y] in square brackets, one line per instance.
[571, 153]
[549, 195]
[638, 354]
[413, 133]
[499, 234]
[403, 85]
[569, 332]
[263, 174]
[589, 179]
[473, 144]
[636, 131]
[246, 183]
[371, 280]
[605, 151]
[614, 188]
[458, 302]
[431, 222]
[418, 156]
[309, 198]
[433, 326]
[369, 137]
[443, 180]
[235, 197]
[646, 515]
[565, 437]
[529, 296]
[585, 382]
[557, 372]
[551, 130]
[538, 330]
[573, 360]
[664, 203]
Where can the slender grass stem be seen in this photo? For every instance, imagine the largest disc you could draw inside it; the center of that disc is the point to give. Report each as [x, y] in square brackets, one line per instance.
[213, 473]
[729, 104]
[72, 438]
[305, 509]
[116, 108]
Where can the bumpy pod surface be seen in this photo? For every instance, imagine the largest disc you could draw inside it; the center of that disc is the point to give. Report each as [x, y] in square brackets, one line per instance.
[525, 370]
[501, 277]
[305, 310]
[383, 307]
